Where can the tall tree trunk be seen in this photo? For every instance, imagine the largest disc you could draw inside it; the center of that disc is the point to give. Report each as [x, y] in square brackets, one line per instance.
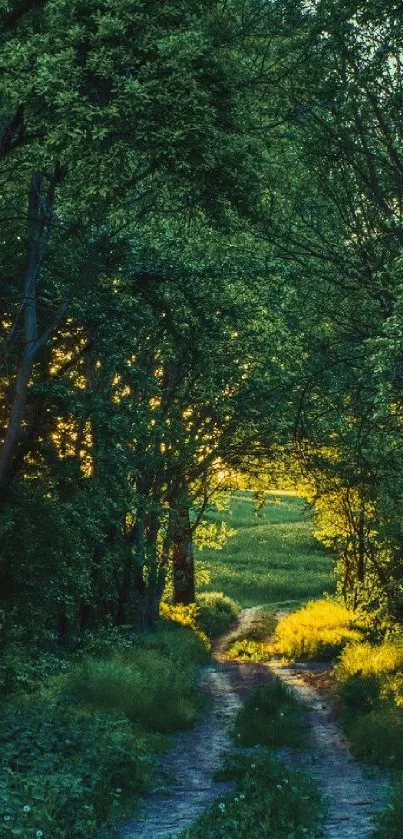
[38, 227]
[182, 552]
[153, 600]
[13, 431]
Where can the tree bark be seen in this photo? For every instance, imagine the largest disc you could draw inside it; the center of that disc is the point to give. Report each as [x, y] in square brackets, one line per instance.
[37, 224]
[182, 553]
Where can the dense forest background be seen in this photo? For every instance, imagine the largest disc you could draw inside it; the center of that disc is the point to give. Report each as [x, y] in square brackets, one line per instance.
[201, 239]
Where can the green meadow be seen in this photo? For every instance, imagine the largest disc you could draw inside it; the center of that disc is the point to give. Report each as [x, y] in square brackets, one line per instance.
[273, 560]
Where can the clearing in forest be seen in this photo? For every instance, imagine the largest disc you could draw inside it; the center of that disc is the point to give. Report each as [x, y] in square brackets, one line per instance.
[273, 560]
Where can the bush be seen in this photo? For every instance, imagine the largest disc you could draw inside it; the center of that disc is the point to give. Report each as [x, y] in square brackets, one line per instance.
[318, 631]
[178, 614]
[377, 737]
[360, 694]
[271, 716]
[215, 613]
[389, 823]
[147, 687]
[23, 670]
[270, 802]
[370, 660]
[64, 773]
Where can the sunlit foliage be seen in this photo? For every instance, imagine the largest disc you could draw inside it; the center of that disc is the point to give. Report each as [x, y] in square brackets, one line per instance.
[317, 631]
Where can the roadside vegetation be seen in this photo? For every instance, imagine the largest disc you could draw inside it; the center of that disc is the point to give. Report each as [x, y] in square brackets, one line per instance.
[270, 801]
[80, 740]
[215, 612]
[81, 730]
[366, 683]
[318, 631]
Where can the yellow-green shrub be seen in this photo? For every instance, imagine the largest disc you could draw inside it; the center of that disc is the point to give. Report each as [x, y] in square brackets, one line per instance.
[185, 616]
[368, 659]
[392, 689]
[319, 630]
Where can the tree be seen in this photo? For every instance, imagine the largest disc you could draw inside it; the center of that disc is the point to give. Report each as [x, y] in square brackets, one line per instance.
[339, 229]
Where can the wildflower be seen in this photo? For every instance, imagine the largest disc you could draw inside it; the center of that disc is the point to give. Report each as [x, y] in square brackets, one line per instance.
[242, 795]
[278, 786]
[26, 808]
[281, 714]
[221, 806]
[118, 790]
[7, 818]
[253, 765]
[256, 709]
[39, 834]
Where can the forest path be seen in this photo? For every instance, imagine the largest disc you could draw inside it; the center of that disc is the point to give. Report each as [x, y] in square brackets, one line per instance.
[353, 797]
[198, 753]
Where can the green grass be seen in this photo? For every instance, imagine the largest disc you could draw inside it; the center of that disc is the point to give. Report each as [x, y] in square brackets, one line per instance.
[271, 716]
[79, 742]
[273, 560]
[146, 687]
[270, 801]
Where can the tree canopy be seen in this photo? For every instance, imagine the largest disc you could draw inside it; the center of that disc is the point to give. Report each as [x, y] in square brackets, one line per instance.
[201, 213]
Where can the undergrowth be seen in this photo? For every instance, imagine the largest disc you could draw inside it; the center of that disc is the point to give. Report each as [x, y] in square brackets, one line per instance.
[78, 743]
[65, 772]
[271, 716]
[270, 801]
[369, 681]
[254, 643]
[318, 631]
[144, 685]
[215, 613]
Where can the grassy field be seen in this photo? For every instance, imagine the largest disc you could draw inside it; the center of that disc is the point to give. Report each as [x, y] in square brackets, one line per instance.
[273, 560]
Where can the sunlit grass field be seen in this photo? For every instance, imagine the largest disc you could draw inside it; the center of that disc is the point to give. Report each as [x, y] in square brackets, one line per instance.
[273, 560]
